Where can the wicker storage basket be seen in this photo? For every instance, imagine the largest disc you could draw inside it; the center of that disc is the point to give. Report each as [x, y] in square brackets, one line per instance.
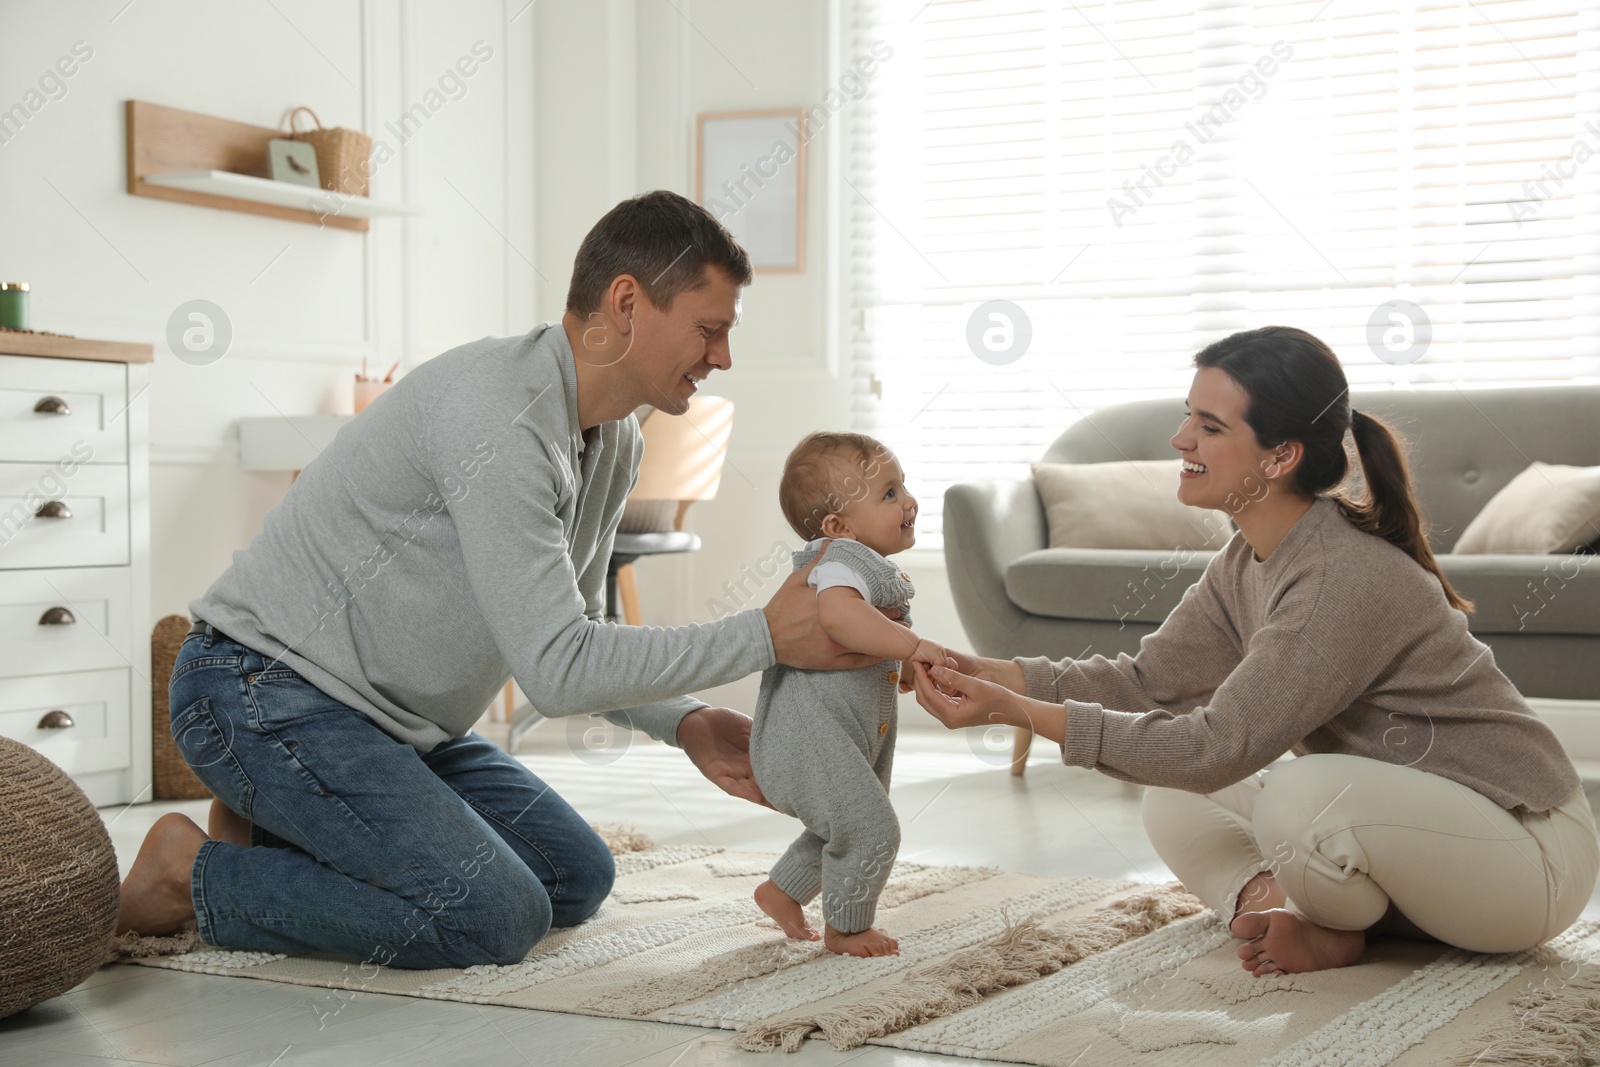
[58, 884]
[343, 156]
[173, 778]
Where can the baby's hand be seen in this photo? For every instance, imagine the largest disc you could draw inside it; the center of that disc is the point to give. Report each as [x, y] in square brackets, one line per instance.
[933, 654]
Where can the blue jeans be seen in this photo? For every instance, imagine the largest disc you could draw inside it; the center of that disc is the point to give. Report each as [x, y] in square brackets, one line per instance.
[362, 846]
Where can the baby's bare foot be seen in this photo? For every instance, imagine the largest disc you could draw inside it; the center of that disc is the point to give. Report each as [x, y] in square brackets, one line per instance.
[869, 942]
[1280, 942]
[784, 910]
[155, 895]
[224, 824]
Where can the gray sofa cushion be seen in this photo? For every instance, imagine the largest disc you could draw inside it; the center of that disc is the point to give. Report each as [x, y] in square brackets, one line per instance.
[1528, 594]
[1512, 594]
[1467, 445]
[1103, 584]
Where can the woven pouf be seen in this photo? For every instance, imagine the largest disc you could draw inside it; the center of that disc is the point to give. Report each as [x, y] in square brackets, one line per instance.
[58, 881]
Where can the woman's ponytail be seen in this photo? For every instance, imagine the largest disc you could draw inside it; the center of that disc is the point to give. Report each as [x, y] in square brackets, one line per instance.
[1389, 510]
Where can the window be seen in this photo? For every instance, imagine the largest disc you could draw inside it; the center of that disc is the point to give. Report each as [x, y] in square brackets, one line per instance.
[1143, 177]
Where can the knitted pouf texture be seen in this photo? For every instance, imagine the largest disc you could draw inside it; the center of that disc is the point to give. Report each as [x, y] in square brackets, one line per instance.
[58, 881]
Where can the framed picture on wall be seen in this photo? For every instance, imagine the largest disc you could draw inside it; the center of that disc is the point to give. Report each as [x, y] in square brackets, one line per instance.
[750, 173]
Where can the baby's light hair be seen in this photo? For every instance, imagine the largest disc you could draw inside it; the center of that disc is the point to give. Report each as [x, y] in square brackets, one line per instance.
[826, 471]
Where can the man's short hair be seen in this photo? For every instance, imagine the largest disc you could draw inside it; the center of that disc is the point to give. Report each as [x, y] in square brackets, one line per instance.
[664, 240]
[827, 471]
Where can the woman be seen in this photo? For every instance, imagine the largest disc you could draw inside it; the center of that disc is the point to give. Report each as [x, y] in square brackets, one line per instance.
[1428, 798]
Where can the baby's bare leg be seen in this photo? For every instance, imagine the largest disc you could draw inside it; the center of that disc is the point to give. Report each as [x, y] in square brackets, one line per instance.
[795, 880]
[869, 942]
[814, 767]
[784, 910]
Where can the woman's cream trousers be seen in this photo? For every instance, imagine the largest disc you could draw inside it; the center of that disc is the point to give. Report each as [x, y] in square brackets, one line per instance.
[1347, 836]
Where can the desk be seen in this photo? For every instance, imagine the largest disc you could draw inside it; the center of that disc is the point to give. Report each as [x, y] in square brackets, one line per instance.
[286, 443]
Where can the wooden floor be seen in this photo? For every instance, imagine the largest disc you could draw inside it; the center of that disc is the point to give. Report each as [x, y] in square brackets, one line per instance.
[956, 806]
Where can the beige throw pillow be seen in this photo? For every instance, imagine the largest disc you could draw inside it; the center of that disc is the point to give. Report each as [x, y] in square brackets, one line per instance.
[1130, 504]
[1545, 510]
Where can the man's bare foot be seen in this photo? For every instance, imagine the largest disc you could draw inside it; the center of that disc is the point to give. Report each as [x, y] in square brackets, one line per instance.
[155, 895]
[225, 824]
[784, 910]
[869, 942]
[1280, 942]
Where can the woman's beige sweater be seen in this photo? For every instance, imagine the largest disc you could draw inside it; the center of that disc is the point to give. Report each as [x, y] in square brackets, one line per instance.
[1337, 642]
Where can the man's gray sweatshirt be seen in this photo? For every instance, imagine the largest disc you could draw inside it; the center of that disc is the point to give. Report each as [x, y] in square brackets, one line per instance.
[458, 532]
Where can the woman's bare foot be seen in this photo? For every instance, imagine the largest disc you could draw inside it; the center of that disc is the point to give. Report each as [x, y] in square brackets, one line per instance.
[1280, 942]
[1261, 893]
[869, 942]
[224, 824]
[784, 910]
[155, 895]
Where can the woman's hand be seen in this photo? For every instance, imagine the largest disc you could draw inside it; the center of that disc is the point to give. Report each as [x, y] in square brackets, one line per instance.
[1001, 671]
[959, 700]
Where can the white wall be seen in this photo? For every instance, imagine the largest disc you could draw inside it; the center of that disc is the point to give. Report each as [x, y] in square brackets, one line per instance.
[583, 103]
[306, 304]
[695, 56]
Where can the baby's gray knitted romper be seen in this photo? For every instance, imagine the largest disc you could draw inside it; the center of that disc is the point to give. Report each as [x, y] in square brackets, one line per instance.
[822, 747]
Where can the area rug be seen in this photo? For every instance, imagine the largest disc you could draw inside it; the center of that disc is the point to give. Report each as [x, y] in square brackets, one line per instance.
[998, 966]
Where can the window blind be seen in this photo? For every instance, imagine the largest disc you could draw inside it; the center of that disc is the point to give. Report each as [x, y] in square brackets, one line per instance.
[1142, 177]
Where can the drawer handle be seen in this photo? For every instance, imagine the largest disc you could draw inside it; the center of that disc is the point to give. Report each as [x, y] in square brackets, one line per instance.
[56, 720]
[57, 617]
[53, 509]
[52, 405]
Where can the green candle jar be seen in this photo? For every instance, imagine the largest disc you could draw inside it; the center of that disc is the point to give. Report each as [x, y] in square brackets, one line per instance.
[14, 305]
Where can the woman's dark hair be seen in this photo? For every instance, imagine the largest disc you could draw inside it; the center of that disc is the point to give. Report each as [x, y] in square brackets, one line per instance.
[1298, 392]
[664, 240]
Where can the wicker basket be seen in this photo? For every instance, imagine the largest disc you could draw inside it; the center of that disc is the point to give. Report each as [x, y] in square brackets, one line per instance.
[173, 778]
[343, 156]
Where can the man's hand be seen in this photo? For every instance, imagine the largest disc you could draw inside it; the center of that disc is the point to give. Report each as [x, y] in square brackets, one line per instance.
[717, 741]
[798, 638]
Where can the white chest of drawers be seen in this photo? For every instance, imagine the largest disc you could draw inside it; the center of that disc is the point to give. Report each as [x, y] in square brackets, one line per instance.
[75, 559]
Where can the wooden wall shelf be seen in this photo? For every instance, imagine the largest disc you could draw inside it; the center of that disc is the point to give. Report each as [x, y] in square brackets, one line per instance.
[198, 159]
[284, 194]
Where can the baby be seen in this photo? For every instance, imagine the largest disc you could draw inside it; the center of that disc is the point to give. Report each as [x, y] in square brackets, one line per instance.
[823, 741]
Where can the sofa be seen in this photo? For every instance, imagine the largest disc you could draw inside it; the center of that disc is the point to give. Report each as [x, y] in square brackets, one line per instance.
[1539, 614]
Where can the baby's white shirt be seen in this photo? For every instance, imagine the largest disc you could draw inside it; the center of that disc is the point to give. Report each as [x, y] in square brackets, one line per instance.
[830, 573]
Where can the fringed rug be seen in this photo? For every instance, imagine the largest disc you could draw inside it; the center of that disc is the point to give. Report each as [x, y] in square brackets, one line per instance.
[996, 966]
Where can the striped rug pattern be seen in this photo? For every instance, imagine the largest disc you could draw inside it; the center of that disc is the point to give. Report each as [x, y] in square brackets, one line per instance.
[1001, 966]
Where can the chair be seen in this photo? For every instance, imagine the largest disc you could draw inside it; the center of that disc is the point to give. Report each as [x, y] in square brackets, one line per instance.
[682, 463]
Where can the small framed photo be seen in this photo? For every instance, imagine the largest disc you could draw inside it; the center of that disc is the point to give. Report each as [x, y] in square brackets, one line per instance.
[293, 161]
[750, 173]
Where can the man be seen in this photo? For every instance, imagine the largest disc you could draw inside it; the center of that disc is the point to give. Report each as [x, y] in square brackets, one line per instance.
[458, 531]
